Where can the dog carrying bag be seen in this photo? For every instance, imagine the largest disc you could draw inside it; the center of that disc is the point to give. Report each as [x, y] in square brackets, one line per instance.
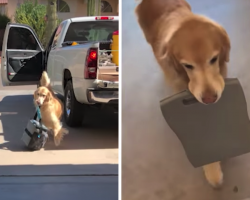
[35, 134]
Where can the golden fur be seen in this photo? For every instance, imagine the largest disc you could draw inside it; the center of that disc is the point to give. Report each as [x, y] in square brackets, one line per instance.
[51, 108]
[191, 50]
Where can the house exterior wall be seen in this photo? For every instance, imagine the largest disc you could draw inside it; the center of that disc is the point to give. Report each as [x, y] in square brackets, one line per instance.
[78, 8]
[114, 4]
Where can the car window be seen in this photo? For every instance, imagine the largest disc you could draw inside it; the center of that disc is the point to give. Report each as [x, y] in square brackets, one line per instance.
[21, 38]
[91, 31]
[58, 31]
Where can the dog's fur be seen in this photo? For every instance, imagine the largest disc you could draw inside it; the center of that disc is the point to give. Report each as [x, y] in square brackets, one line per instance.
[180, 38]
[51, 108]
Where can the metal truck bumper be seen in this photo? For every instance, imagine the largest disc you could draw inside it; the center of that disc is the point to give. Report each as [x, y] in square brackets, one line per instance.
[103, 96]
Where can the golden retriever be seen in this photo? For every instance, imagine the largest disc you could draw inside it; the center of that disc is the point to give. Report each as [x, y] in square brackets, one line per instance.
[51, 108]
[192, 51]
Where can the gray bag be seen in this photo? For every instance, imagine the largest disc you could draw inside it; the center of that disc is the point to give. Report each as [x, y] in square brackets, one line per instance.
[35, 135]
[210, 133]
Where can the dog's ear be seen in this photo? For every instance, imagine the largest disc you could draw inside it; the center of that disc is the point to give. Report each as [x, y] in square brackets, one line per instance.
[34, 95]
[167, 56]
[225, 46]
[48, 97]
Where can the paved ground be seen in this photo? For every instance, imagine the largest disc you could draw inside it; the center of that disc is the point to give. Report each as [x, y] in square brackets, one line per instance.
[154, 165]
[85, 166]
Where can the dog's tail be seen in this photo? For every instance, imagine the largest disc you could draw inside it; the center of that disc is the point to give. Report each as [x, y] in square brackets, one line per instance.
[64, 131]
[45, 80]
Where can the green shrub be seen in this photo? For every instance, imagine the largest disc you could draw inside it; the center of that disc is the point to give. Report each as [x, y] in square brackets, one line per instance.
[33, 14]
[4, 20]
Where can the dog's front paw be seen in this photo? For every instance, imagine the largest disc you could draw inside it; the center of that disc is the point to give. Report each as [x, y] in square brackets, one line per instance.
[214, 174]
[216, 180]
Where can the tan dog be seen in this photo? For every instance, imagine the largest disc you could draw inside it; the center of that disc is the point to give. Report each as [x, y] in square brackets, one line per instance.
[192, 51]
[51, 109]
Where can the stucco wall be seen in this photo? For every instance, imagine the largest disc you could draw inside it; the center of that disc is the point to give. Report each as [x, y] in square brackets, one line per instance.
[81, 9]
[114, 4]
[11, 8]
[78, 8]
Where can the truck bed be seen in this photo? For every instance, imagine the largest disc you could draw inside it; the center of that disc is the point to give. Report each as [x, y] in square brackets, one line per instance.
[108, 72]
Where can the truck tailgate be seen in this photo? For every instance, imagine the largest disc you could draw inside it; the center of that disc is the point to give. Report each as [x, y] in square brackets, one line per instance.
[108, 73]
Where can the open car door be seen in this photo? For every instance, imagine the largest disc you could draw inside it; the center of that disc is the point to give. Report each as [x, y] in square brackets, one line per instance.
[22, 56]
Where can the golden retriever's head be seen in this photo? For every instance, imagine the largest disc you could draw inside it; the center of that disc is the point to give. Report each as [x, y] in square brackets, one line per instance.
[41, 96]
[199, 48]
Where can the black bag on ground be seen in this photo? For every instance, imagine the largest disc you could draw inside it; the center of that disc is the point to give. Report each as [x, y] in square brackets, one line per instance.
[35, 134]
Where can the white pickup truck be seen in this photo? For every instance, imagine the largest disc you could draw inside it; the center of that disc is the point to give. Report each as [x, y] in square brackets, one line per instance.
[72, 68]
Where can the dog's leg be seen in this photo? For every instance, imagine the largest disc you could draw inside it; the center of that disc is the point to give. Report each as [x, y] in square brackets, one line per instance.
[213, 174]
[58, 131]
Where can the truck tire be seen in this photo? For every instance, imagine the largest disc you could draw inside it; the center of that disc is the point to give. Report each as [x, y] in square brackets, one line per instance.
[73, 110]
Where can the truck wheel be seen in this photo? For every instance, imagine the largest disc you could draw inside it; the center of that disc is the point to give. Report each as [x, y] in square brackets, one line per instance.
[73, 110]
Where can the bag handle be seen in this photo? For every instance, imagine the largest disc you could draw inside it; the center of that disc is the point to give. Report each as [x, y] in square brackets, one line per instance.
[39, 117]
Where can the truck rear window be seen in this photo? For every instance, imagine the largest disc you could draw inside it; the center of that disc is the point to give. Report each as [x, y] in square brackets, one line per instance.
[91, 31]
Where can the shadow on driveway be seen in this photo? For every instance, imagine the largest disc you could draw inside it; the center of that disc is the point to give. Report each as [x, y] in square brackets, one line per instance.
[99, 130]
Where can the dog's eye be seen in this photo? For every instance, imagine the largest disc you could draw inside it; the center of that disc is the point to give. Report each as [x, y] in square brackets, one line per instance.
[213, 60]
[188, 66]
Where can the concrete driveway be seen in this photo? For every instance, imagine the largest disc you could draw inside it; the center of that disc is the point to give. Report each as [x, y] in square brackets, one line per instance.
[85, 166]
[154, 165]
